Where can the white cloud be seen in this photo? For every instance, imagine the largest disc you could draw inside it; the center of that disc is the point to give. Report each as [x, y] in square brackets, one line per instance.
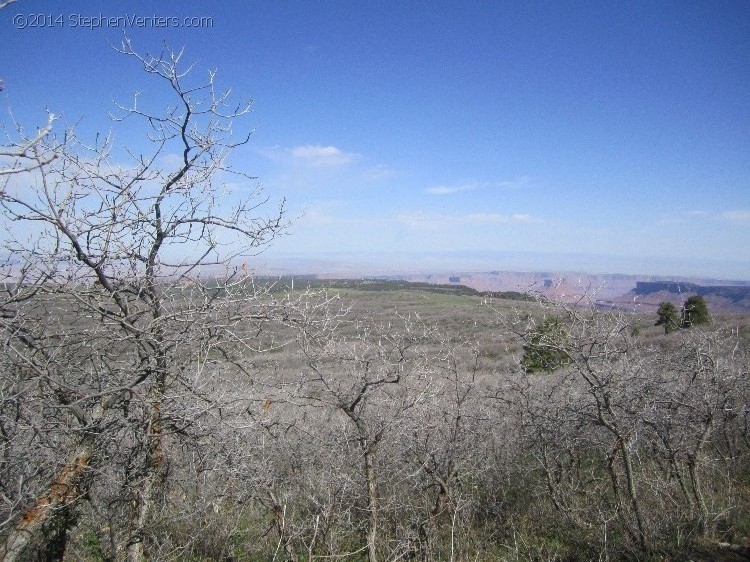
[525, 218]
[472, 186]
[378, 173]
[333, 212]
[518, 183]
[497, 218]
[450, 189]
[322, 156]
[735, 216]
[436, 221]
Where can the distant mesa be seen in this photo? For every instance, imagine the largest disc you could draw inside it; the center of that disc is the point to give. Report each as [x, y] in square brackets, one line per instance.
[649, 287]
[720, 298]
[627, 292]
[734, 294]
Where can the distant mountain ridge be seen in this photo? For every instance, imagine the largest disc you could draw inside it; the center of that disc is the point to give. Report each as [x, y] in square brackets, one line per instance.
[720, 298]
[628, 292]
[624, 291]
[733, 293]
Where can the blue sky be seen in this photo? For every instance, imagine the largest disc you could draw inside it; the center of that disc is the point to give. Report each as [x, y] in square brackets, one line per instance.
[599, 135]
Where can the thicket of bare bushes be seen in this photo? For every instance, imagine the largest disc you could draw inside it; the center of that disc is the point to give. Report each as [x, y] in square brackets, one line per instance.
[151, 411]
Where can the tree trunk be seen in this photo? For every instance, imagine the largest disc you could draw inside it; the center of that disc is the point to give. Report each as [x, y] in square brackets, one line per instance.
[372, 497]
[695, 484]
[635, 504]
[154, 483]
[279, 516]
[44, 525]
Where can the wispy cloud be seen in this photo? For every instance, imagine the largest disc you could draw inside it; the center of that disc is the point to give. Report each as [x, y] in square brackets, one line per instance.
[322, 156]
[518, 183]
[735, 216]
[435, 221]
[497, 218]
[731, 216]
[309, 155]
[378, 173]
[334, 213]
[473, 186]
[450, 189]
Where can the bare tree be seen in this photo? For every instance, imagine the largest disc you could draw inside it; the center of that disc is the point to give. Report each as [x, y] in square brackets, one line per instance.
[624, 435]
[123, 282]
[447, 448]
[371, 378]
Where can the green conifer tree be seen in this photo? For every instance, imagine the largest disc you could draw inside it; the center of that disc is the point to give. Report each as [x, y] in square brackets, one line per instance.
[668, 316]
[695, 312]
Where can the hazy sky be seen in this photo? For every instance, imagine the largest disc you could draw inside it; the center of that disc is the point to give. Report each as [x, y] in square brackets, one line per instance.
[619, 129]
